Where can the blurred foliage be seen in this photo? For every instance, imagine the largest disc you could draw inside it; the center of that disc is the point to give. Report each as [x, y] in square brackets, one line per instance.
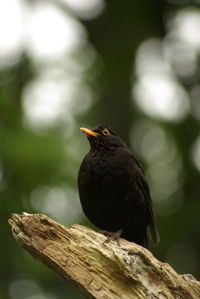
[39, 164]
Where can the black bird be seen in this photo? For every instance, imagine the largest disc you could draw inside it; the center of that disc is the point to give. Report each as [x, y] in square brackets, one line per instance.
[113, 190]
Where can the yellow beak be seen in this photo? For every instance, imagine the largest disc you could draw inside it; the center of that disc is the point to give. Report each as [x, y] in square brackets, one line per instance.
[89, 132]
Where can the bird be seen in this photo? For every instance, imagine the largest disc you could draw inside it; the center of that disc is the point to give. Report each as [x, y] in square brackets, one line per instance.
[113, 190]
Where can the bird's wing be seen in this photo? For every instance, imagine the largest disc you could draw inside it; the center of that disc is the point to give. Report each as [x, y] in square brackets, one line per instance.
[144, 188]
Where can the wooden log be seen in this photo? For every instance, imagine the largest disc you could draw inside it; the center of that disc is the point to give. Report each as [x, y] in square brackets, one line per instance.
[97, 269]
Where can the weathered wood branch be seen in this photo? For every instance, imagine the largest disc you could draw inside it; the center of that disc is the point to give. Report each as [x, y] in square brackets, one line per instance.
[99, 270]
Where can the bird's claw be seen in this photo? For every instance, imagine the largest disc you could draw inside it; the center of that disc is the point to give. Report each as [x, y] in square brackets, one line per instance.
[112, 236]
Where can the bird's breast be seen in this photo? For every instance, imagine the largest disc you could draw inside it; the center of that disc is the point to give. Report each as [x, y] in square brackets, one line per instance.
[104, 174]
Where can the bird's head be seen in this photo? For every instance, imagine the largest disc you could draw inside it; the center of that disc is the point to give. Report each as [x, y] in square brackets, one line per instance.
[102, 137]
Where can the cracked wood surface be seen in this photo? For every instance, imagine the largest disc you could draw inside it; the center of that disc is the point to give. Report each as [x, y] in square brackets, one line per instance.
[99, 270]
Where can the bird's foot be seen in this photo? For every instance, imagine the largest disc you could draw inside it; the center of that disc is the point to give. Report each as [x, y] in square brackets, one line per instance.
[112, 236]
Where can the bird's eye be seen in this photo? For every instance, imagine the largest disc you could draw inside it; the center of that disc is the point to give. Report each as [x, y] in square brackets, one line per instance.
[105, 132]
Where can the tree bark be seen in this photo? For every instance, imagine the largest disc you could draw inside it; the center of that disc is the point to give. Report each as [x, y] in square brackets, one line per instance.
[81, 257]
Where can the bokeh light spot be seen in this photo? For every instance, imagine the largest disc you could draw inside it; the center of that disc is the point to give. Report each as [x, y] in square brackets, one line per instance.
[48, 102]
[156, 91]
[60, 203]
[186, 26]
[87, 9]
[51, 33]
[195, 153]
[164, 167]
[195, 101]
[12, 17]
[23, 289]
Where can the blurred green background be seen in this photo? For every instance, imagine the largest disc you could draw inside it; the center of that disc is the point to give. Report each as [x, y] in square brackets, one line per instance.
[131, 65]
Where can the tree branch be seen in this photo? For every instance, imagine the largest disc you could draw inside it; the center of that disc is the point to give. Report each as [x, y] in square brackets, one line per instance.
[99, 270]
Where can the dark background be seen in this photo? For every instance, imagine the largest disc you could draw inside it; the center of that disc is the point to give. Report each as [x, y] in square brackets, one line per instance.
[131, 65]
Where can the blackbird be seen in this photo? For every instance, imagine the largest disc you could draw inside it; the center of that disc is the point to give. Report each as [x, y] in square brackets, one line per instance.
[113, 191]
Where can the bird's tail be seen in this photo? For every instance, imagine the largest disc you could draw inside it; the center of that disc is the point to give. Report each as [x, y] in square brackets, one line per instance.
[153, 233]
